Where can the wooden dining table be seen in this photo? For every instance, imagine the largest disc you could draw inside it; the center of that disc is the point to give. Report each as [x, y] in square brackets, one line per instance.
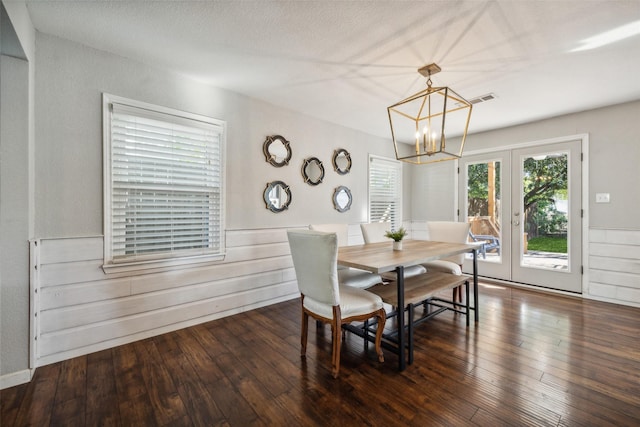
[381, 257]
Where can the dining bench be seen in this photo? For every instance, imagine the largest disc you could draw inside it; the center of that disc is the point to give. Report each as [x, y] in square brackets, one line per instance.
[423, 290]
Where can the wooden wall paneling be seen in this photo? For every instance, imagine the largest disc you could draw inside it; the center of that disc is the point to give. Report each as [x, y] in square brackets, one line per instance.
[614, 265]
[91, 270]
[355, 235]
[72, 272]
[619, 237]
[84, 293]
[83, 309]
[614, 278]
[35, 294]
[620, 265]
[78, 315]
[102, 345]
[614, 250]
[419, 230]
[236, 238]
[155, 282]
[56, 251]
[246, 253]
[85, 335]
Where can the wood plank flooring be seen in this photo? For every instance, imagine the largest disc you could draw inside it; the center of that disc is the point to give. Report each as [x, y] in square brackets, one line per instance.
[534, 359]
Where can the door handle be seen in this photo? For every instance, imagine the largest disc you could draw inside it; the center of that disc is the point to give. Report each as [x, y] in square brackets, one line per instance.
[516, 222]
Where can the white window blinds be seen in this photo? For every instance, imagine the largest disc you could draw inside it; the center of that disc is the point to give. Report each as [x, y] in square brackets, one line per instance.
[385, 191]
[165, 185]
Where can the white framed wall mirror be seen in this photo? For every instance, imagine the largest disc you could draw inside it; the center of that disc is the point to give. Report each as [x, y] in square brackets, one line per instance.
[342, 199]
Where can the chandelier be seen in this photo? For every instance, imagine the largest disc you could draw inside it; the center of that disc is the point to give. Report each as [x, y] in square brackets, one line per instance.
[424, 120]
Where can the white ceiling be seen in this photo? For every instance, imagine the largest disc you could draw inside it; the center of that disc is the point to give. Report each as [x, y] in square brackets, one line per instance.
[347, 61]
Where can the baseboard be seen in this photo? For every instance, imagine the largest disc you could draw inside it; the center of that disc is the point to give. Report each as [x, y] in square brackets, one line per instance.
[15, 378]
[491, 280]
[612, 300]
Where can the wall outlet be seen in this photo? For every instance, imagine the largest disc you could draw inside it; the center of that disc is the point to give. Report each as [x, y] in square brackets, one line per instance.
[602, 198]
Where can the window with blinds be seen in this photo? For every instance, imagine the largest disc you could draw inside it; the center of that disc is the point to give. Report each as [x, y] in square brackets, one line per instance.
[385, 191]
[165, 184]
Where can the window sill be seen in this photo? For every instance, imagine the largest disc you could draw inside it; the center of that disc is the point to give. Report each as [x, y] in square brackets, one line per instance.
[159, 265]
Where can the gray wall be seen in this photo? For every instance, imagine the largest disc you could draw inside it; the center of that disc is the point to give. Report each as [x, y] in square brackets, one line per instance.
[14, 227]
[70, 81]
[16, 200]
[614, 159]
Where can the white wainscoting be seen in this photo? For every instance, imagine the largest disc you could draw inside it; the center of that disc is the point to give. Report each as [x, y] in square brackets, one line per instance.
[82, 310]
[614, 266]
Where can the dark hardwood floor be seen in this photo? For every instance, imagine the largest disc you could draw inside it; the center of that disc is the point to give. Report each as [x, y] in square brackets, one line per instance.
[534, 359]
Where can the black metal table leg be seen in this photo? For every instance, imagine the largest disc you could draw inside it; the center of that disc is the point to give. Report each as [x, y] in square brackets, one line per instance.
[366, 336]
[476, 303]
[466, 287]
[410, 332]
[402, 362]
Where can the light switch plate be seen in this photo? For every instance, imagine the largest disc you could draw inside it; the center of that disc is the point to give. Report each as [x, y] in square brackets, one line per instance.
[602, 198]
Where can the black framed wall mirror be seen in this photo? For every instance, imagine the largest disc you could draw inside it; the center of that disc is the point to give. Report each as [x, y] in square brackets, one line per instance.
[342, 199]
[341, 161]
[277, 150]
[277, 196]
[312, 171]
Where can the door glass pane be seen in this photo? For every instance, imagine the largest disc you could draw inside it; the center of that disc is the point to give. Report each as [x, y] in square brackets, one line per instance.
[545, 219]
[484, 209]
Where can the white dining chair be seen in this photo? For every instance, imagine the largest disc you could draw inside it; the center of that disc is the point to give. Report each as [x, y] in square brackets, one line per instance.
[374, 232]
[315, 257]
[450, 232]
[347, 275]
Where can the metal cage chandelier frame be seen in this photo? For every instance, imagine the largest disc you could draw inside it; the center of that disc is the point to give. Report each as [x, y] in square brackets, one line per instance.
[424, 119]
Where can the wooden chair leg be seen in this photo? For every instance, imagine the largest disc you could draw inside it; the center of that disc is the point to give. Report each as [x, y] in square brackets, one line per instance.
[303, 335]
[457, 294]
[382, 317]
[337, 335]
[336, 332]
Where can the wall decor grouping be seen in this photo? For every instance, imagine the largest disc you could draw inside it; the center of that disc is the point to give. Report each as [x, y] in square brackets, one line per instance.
[277, 194]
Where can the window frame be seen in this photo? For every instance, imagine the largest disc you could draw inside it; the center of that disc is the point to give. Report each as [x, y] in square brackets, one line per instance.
[397, 165]
[164, 260]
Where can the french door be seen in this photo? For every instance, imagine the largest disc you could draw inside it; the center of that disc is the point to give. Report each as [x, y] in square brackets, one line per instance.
[525, 207]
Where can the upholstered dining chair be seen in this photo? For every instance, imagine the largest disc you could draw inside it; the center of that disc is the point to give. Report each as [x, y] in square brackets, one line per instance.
[374, 232]
[450, 232]
[315, 257]
[347, 275]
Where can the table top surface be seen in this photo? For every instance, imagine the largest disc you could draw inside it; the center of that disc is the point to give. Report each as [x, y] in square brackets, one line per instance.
[380, 257]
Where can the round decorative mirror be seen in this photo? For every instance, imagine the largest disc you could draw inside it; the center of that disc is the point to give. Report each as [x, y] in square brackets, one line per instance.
[341, 161]
[342, 199]
[312, 171]
[277, 150]
[277, 196]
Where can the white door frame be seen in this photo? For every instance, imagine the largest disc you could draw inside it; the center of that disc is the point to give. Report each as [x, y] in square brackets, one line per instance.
[584, 144]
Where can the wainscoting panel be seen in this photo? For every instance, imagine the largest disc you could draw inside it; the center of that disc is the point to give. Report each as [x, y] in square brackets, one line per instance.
[82, 309]
[614, 266]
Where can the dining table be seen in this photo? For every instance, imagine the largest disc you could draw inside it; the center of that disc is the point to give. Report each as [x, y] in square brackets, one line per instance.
[381, 257]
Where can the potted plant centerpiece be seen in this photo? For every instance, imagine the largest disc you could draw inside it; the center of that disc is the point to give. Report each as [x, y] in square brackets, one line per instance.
[397, 237]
